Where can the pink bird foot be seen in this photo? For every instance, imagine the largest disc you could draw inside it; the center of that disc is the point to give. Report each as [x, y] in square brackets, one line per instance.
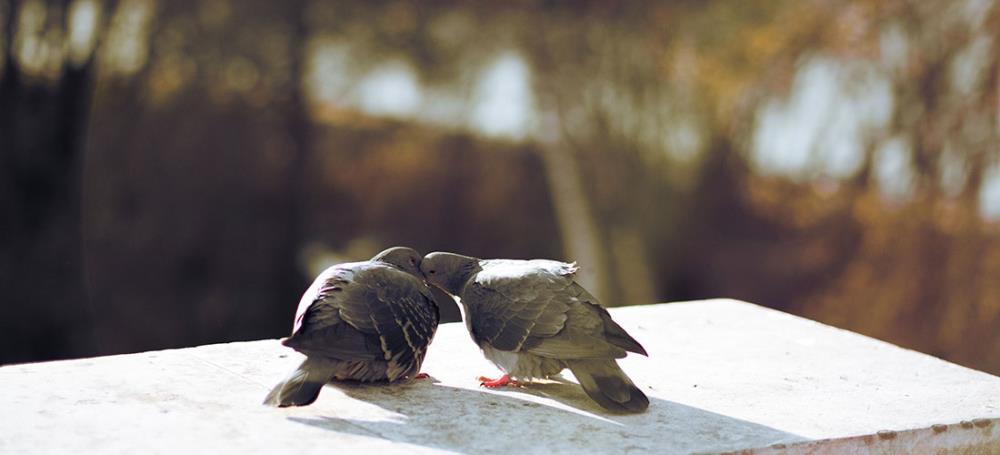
[421, 376]
[504, 380]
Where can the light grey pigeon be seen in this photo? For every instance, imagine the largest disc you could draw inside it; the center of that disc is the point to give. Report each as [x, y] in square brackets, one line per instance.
[533, 320]
[363, 321]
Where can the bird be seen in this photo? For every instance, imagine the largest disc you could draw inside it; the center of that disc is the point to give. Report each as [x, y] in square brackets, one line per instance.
[532, 320]
[366, 321]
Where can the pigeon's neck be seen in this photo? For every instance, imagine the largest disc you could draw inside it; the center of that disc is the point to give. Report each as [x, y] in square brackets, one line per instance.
[462, 276]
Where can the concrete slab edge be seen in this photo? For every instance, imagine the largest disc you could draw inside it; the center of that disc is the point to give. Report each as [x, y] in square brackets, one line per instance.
[977, 436]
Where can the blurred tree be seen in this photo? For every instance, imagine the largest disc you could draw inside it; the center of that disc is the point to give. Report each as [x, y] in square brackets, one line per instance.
[300, 134]
[45, 94]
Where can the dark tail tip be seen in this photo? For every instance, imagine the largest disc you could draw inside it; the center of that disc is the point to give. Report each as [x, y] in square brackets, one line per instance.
[605, 383]
[638, 403]
[618, 395]
[302, 387]
[293, 394]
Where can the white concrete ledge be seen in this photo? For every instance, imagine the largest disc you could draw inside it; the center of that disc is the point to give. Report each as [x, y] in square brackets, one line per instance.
[722, 376]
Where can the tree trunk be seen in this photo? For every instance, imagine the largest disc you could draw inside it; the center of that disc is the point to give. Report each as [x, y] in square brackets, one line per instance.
[577, 227]
[299, 128]
[41, 244]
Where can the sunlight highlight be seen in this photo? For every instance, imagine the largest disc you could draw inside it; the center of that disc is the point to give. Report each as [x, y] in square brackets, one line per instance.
[127, 45]
[391, 89]
[84, 17]
[503, 101]
[989, 194]
[892, 169]
[38, 51]
[823, 126]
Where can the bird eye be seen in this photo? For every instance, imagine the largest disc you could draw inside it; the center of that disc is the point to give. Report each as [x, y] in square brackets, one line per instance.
[413, 261]
[431, 272]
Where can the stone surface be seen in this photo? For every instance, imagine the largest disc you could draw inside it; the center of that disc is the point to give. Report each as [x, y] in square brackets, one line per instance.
[722, 375]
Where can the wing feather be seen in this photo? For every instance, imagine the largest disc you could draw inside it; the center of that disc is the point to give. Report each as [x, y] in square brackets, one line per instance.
[537, 307]
[370, 312]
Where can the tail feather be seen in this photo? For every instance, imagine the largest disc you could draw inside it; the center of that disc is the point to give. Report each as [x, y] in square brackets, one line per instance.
[618, 336]
[302, 387]
[606, 383]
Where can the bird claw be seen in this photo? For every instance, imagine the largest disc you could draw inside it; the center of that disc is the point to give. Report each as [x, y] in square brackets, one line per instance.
[504, 380]
[421, 376]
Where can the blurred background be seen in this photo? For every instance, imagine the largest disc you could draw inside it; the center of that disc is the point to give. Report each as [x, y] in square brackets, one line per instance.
[173, 173]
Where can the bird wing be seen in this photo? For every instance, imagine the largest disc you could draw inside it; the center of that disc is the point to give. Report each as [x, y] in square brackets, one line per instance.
[368, 312]
[537, 307]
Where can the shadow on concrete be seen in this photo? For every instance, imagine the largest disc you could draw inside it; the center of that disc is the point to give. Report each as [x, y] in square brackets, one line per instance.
[551, 416]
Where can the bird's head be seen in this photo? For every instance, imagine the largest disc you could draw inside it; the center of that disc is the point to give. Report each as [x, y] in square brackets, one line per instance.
[402, 257]
[448, 271]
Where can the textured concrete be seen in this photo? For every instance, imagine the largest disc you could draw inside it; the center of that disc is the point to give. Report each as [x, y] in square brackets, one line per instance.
[722, 376]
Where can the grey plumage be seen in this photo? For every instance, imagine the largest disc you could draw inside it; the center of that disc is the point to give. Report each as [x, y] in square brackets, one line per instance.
[533, 320]
[362, 321]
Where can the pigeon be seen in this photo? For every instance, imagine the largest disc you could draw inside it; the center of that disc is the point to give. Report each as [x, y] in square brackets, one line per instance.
[533, 320]
[362, 321]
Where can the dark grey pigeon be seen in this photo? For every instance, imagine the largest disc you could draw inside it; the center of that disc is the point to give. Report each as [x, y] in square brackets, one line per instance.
[361, 321]
[533, 320]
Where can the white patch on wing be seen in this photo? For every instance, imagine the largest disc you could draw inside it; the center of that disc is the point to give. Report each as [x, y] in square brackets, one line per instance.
[515, 268]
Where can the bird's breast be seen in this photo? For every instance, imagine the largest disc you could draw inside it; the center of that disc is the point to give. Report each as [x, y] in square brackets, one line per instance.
[522, 365]
[505, 360]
